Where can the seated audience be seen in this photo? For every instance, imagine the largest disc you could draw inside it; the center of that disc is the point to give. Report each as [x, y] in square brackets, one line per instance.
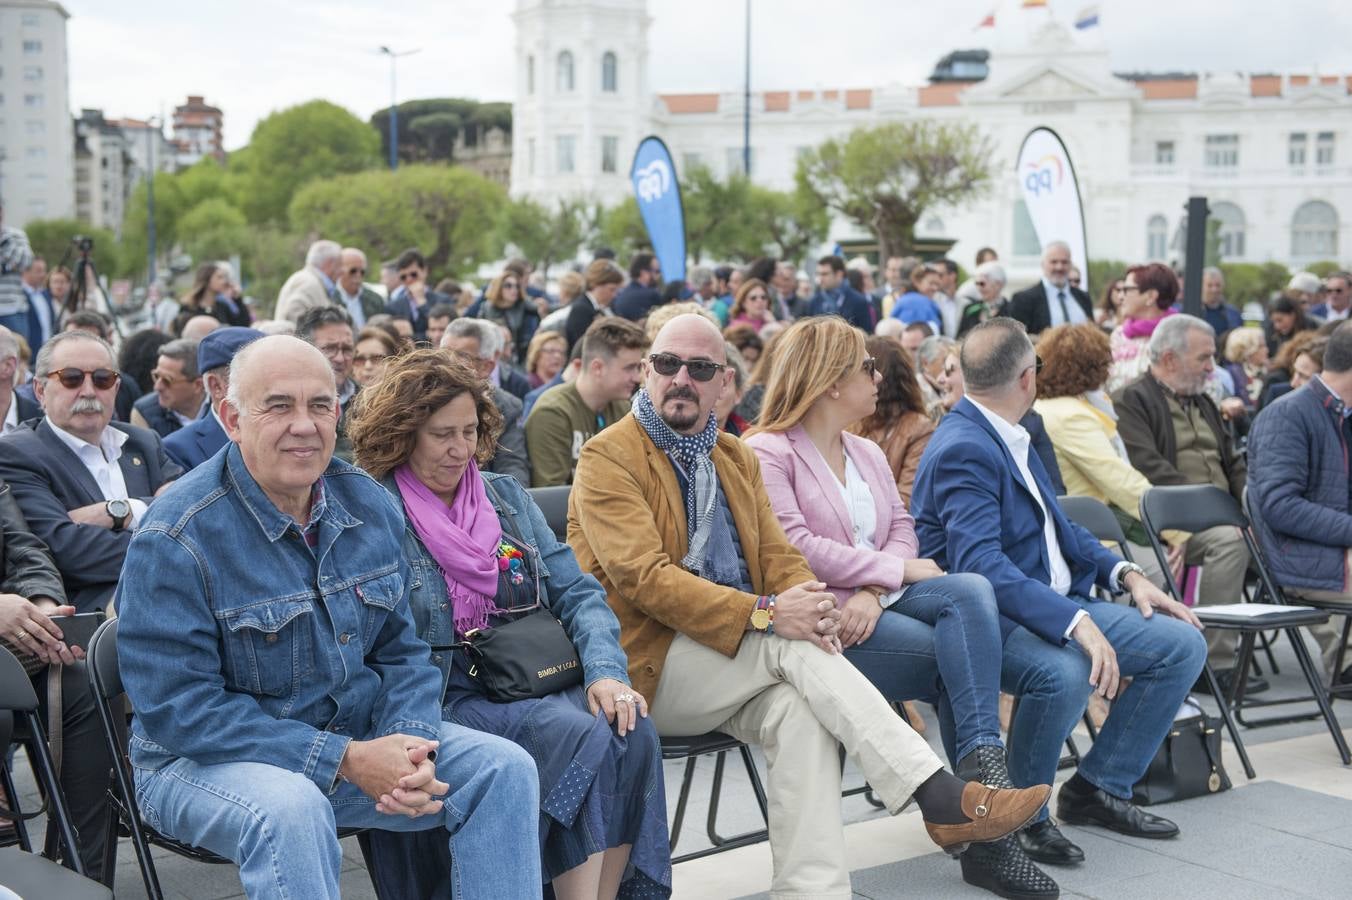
[18, 407]
[264, 721]
[83, 483]
[602, 279]
[1286, 318]
[374, 349]
[672, 518]
[664, 314]
[567, 416]
[438, 317]
[477, 343]
[643, 292]
[313, 286]
[507, 305]
[139, 355]
[565, 375]
[197, 327]
[899, 422]
[1215, 311]
[1246, 359]
[179, 394]
[1299, 360]
[128, 389]
[984, 504]
[751, 307]
[1299, 486]
[545, 357]
[904, 623]
[1337, 298]
[197, 442]
[749, 406]
[725, 411]
[422, 433]
[748, 341]
[930, 356]
[411, 301]
[350, 290]
[1108, 313]
[329, 328]
[1174, 435]
[1148, 294]
[989, 282]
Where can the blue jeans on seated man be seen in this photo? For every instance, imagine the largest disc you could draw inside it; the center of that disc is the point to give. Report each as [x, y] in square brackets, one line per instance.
[940, 643]
[1161, 655]
[282, 830]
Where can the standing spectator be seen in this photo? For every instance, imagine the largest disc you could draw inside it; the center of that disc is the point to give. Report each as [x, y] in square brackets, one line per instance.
[1216, 312]
[438, 318]
[946, 296]
[375, 349]
[58, 289]
[899, 423]
[1174, 435]
[1052, 301]
[915, 305]
[1338, 293]
[989, 283]
[478, 345]
[1246, 359]
[835, 297]
[18, 408]
[179, 395]
[751, 306]
[1148, 294]
[15, 257]
[194, 444]
[414, 298]
[545, 357]
[42, 318]
[895, 283]
[389, 277]
[784, 292]
[1286, 319]
[329, 328]
[351, 292]
[507, 306]
[312, 286]
[1108, 313]
[83, 483]
[642, 292]
[603, 280]
[567, 416]
[702, 283]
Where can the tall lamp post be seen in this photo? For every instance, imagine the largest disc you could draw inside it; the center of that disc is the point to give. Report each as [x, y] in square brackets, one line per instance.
[152, 128]
[394, 109]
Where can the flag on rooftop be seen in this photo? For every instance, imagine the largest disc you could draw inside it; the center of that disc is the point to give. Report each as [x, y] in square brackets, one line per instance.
[1034, 4]
[988, 22]
[1087, 18]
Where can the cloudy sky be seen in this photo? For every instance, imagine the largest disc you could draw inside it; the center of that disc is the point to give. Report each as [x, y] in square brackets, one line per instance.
[250, 57]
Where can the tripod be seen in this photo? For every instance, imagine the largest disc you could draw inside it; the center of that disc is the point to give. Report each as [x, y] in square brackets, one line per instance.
[79, 289]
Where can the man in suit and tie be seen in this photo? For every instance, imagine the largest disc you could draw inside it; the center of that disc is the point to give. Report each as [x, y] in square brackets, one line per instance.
[83, 483]
[413, 298]
[194, 444]
[179, 395]
[315, 285]
[984, 504]
[17, 407]
[835, 297]
[41, 314]
[1053, 300]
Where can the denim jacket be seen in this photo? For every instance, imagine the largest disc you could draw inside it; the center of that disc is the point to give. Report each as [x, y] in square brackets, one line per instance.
[576, 598]
[240, 643]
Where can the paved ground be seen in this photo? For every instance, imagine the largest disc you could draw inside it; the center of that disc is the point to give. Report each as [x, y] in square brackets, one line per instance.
[1287, 833]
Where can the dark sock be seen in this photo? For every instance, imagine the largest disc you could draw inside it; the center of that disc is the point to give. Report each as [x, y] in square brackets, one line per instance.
[1077, 785]
[940, 799]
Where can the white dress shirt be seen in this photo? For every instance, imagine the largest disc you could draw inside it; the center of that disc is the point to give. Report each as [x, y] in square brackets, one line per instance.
[863, 512]
[1055, 295]
[101, 461]
[353, 305]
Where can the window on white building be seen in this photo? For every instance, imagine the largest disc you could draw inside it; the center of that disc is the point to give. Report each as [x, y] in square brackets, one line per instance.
[563, 81]
[1314, 231]
[1231, 231]
[609, 73]
[32, 47]
[32, 73]
[1323, 149]
[564, 161]
[32, 101]
[1164, 153]
[37, 208]
[736, 163]
[610, 154]
[37, 178]
[530, 74]
[31, 20]
[1025, 236]
[35, 126]
[1222, 151]
[36, 152]
[1295, 151]
[691, 161]
[1156, 238]
[530, 155]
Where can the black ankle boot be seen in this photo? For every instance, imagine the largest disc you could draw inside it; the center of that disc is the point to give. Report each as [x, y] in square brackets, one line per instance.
[1006, 871]
[985, 764]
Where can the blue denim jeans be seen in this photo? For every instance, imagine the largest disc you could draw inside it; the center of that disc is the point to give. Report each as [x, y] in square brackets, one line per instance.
[941, 643]
[1162, 657]
[282, 830]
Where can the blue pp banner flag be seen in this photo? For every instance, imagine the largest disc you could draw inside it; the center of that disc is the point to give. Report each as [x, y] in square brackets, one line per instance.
[659, 201]
[1052, 194]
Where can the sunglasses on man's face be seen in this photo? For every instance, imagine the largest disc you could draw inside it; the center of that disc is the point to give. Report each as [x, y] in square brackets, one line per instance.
[669, 364]
[355, 270]
[73, 378]
[409, 276]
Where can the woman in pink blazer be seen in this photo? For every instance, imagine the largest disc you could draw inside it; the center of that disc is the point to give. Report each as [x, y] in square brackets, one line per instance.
[914, 631]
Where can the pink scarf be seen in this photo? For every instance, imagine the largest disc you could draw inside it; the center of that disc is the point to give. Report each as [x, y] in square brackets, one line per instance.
[1143, 328]
[463, 538]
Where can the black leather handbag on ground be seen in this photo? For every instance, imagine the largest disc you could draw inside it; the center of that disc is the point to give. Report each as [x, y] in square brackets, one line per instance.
[1187, 764]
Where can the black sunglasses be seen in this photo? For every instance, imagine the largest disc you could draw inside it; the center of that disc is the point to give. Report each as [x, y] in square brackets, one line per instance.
[73, 378]
[870, 366]
[699, 369]
[356, 271]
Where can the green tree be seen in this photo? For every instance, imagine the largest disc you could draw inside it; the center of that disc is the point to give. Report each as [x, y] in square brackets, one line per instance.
[1253, 282]
[429, 127]
[544, 235]
[622, 229]
[788, 223]
[451, 214]
[51, 239]
[295, 146]
[214, 229]
[884, 178]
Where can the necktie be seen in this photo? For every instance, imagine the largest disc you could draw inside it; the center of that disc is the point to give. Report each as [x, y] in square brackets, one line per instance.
[1065, 313]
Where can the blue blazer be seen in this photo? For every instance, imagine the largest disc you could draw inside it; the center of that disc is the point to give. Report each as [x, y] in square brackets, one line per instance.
[196, 443]
[854, 308]
[974, 513]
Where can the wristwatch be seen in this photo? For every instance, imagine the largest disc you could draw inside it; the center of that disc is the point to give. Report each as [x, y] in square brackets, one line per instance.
[119, 511]
[1127, 569]
[763, 616]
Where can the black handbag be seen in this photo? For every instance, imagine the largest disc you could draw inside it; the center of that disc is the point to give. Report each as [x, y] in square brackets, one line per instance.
[1187, 764]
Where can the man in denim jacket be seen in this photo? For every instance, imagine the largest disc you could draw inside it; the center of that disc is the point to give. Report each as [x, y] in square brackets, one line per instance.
[279, 686]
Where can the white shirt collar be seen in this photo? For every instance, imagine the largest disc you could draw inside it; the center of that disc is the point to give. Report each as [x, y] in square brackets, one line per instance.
[12, 417]
[1016, 437]
[109, 445]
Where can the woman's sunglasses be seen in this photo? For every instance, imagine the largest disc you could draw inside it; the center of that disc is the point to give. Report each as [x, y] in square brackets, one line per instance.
[73, 378]
[699, 369]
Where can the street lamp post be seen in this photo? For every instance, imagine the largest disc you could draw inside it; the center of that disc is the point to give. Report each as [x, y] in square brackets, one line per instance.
[151, 127]
[394, 109]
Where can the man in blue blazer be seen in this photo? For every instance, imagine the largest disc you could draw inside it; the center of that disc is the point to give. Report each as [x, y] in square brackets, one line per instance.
[198, 441]
[984, 504]
[835, 297]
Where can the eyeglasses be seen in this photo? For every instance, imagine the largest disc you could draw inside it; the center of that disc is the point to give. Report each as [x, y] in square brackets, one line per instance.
[1334, 290]
[73, 378]
[699, 369]
[169, 378]
[758, 296]
[409, 276]
[1074, 282]
[1036, 366]
[1124, 288]
[356, 271]
[364, 358]
[332, 350]
[509, 285]
[870, 366]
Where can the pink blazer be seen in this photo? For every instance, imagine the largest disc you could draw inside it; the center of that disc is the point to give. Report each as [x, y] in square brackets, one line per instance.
[807, 500]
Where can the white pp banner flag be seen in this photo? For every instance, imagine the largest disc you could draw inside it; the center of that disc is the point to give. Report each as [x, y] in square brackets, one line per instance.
[1052, 195]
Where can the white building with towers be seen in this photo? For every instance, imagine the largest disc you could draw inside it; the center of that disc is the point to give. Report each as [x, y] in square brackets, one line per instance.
[1271, 152]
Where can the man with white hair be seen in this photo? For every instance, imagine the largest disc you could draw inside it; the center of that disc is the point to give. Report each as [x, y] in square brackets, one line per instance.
[1304, 289]
[313, 285]
[17, 408]
[478, 343]
[988, 284]
[1053, 300]
[359, 300]
[1337, 303]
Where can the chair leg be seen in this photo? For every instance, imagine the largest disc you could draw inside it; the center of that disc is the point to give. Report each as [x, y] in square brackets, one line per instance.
[1227, 715]
[125, 804]
[1312, 676]
[756, 787]
[681, 801]
[20, 831]
[1340, 660]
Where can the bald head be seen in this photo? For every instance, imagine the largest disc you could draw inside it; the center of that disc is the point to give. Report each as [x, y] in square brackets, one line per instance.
[199, 327]
[690, 330]
[351, 270]
[684, 402]
[995, 356]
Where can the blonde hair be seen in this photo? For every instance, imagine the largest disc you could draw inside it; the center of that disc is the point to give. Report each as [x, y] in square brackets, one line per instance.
[1241, 343]
[570, 287]
[810, 356]
[537, 346]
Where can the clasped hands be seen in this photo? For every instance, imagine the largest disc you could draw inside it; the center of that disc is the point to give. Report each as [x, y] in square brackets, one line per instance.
[397, 771]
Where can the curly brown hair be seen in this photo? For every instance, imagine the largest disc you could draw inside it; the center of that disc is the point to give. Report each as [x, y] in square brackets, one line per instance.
[1075, 360]
[386, 417]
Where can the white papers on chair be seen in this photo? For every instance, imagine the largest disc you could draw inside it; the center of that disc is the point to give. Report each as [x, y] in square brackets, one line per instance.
[1243, 610]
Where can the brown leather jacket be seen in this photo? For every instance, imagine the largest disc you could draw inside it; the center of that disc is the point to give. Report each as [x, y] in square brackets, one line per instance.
[904, 443]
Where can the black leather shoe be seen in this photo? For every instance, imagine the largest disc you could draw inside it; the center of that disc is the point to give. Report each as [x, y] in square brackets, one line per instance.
[1005, 870]
[1098, 807]
[1045, 843]
[1226, 679]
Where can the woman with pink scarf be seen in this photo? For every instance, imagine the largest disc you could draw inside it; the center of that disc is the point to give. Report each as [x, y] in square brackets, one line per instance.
[1148, 292]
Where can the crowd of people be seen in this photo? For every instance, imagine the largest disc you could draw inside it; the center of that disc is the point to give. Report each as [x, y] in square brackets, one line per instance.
[792, 503]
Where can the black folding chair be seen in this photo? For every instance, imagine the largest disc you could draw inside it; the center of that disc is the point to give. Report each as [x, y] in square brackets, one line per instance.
[553, 502]
[105, 681]
[719, 745]
[1195, 508]
[22, 871]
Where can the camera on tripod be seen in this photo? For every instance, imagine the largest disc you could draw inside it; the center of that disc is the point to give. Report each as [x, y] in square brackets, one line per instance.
[82, 243]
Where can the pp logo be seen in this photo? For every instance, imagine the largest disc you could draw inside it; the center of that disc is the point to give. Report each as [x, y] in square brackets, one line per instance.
[1046, 174]
[653, 180]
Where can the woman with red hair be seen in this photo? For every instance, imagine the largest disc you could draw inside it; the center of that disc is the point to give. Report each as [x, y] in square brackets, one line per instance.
[1148, 292]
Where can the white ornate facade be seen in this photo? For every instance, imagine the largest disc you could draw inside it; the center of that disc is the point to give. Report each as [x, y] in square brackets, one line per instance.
[1272, 153]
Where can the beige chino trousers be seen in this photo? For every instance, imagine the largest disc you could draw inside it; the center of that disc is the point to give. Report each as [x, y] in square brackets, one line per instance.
[1224, 558]
[797, 702]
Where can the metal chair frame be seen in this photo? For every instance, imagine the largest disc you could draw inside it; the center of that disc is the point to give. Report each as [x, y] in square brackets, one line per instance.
[718, 745]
